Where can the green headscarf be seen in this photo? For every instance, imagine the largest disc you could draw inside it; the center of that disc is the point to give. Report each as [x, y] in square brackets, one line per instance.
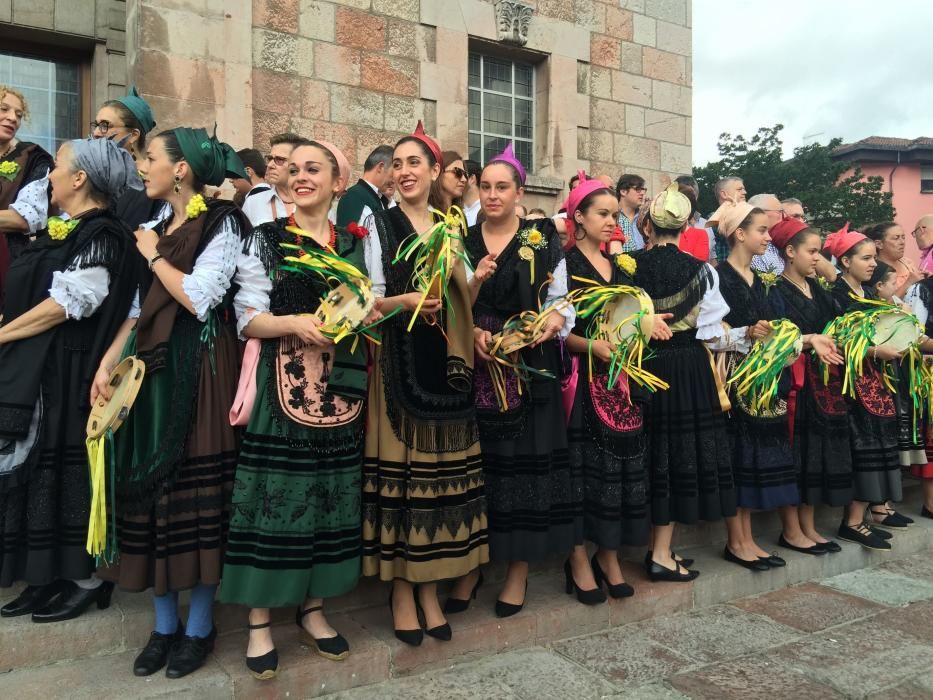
[211, 160]
[140, 109]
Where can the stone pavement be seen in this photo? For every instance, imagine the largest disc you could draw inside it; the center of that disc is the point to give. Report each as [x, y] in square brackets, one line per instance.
[863, 634]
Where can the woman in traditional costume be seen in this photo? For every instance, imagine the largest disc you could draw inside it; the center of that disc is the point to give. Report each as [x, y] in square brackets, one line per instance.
[177, 452]
[606, 431]
[688, 444]
[127, 120]
[69, 293]
[534, 498]
[424, 510]
[817, 412]
[295, 523]
[872, 416]
[24, 182]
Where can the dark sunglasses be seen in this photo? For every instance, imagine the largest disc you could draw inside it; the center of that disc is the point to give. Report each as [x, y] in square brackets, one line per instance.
[458, 173]
[279, 160]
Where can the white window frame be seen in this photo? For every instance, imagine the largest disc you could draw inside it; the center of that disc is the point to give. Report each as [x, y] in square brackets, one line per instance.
[481, 132]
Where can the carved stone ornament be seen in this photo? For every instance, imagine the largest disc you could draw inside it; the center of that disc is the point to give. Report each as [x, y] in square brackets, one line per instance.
[513, 18]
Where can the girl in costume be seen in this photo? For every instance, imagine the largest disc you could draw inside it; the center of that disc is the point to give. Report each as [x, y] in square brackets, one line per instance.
[606, 431]
[127, 120]
[872, 415]
[535, 499]
[817, 412]
[690, 468]
[295, 523]
[24, 182]
[68, 294]
[177, 451]
[424, 509]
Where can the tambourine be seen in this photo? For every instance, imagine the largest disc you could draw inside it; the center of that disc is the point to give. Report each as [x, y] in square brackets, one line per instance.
[630, 313]
[125, 381]
[757, 376]
[346, 306]
[518, 332]
[897, 329]
[784, 349]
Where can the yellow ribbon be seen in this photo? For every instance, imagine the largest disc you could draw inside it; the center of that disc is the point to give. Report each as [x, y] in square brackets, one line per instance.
[97, 525]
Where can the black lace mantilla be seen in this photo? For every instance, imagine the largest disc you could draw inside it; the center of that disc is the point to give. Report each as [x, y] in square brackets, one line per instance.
[675, 281]
[747, 304]
[811, 315]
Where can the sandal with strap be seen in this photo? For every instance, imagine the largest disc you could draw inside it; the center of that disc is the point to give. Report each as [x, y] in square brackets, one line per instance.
[333, 648]
[266, 666]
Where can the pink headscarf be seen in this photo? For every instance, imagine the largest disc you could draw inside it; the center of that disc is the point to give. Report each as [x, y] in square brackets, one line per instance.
[841, 242]
[343, 165]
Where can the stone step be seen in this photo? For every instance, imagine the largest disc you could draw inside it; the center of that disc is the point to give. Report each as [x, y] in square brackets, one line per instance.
[107, 640]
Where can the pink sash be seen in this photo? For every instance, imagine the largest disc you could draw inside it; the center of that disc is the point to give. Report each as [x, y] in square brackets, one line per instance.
[246, 388]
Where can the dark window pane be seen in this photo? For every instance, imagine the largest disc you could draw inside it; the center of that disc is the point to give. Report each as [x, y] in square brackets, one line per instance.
[497, 75]
[475, 116]
[523, 153]
[65, 78]
[474, 70]
[476, 148]
[523, 119]
[523, 79]
[494, 146]
[497, 114]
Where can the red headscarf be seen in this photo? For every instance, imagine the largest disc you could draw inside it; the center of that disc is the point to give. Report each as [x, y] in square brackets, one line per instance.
[784, 230]
[842, 241]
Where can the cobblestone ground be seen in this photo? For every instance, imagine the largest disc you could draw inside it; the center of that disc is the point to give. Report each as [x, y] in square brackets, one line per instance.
[864, 634]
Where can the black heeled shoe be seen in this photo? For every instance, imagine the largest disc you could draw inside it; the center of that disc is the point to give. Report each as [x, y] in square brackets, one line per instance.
[656, 572]
[33, 598]
[616, 590]
[458, 605]
[333, 648]
[504, 609]
[591, 597]
[266, 666]
[73, 601]
[441, 632]
[752, 565]
[156, 652]
[189, 654]
[410, 637]
[686, 563]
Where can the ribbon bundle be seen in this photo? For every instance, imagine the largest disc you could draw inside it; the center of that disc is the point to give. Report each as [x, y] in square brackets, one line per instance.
[858, 330]
[597, 304]
[435, 253]
[756, 378]
[101, 541]
[344, 278]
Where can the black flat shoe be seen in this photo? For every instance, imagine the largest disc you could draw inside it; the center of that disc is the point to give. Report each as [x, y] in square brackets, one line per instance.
[753, 565]
[880, 532]
[830, 546]
[926, 512]
[661, 573]
[616, 590]
[189, 654]
[906, 519]
[266, 666]
[333, 648]
[458, 605]
[154, 655]
[412, 638]
[686, 563]
[864, 536]
[504, 609]
[33, 598]
[890, 520]
[591, 597]
[74, 601]
[816, 549]
[773, 561]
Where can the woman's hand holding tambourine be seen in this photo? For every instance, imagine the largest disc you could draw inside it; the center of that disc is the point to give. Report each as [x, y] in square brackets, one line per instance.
[552, 327]
[759, 330]
[602, 350]
[100, 384]
[307, 328]
[482, 340]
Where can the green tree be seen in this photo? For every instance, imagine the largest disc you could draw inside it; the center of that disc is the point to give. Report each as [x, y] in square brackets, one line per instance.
[830, 197]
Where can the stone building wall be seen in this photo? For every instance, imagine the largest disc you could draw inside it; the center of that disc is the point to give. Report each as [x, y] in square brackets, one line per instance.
[613, 77]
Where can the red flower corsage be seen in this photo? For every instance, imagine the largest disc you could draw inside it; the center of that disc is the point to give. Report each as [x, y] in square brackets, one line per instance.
[354, 229]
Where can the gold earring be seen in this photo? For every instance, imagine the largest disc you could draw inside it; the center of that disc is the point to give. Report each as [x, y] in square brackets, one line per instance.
[177, 187]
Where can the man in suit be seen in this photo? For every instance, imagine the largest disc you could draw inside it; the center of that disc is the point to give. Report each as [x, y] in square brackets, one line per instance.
[365, 197]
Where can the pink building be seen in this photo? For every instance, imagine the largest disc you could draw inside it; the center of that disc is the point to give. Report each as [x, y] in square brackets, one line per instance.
[906, 167]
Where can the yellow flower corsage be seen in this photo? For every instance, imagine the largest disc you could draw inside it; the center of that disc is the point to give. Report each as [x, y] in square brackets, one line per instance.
[195, 207]
[531, 239]
[8, 169]
[626, 263]
[59, 229]
[824, 283]
[768, 279]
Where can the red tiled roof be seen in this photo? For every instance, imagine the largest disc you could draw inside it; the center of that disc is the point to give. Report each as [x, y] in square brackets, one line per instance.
[884, 143]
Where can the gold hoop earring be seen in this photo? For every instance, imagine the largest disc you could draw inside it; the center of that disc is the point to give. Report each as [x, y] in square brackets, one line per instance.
[177, 186]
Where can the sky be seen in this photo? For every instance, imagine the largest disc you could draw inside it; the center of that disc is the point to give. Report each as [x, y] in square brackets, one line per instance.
[822, 68]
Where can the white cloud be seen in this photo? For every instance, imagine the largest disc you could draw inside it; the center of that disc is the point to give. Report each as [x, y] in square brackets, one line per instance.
[846, 68]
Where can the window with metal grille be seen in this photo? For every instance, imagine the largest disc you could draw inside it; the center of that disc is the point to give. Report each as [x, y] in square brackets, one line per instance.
[926, 178]
[53, 92]
[501, 108]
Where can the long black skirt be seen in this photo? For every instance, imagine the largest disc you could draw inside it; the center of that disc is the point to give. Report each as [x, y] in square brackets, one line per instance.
[873, 437]
[821, 440]
[608, 446]
[533, 493]
[689, 460]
